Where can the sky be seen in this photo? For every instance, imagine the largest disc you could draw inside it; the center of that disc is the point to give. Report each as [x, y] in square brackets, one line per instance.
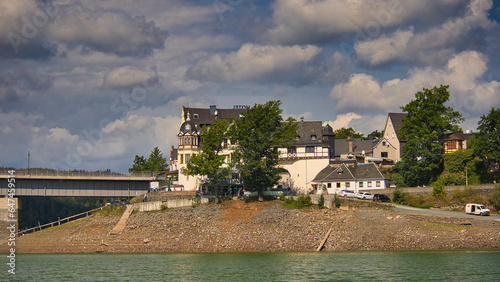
[90, 84]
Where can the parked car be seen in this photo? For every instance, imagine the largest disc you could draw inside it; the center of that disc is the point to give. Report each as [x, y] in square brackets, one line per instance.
[365, 196]
[477, 209]
[381, 198]
[347, 194]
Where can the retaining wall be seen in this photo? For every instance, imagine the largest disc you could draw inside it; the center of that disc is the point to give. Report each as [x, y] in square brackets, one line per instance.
[173, 203]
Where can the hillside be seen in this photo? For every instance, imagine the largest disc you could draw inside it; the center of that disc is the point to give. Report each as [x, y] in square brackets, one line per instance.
[236, 226]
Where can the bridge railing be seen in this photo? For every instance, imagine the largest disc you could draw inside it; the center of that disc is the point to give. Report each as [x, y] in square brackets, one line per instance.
[74, 173]
[58, 222]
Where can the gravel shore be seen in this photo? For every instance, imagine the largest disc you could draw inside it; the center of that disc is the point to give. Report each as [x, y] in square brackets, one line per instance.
[236, 226]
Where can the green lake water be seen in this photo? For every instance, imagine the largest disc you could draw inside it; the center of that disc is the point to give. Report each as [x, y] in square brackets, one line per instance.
[303, 266]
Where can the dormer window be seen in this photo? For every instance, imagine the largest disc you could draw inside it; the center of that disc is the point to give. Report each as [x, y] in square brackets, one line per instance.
[196, 116]
[297, 137]
[313, 137]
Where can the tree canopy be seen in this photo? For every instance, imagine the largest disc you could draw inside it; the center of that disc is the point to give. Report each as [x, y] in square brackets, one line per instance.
[486, 142]
[155, 163]
[423, 132]
[344, 133]
[210, 161]
[258, 134]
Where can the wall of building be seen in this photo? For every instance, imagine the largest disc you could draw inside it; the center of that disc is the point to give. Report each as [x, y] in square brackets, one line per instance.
[303, 171]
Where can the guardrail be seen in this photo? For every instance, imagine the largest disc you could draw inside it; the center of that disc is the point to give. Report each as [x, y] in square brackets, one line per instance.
[76, 173]
[58, 222]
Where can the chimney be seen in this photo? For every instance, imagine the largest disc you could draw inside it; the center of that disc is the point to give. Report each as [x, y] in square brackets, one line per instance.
[350, 144]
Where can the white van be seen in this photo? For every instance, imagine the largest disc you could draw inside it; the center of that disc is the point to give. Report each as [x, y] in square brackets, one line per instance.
[477, 209]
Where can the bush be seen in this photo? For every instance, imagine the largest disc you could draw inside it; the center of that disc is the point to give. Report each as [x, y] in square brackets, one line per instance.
[281, 197]
[321, 202]
[336, 200]
[495, 198]
[302, 202]
[399, 197]
[196, 202]
[163, 207]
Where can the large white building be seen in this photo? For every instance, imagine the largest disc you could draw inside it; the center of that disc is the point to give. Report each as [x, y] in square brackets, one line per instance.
[314, 149]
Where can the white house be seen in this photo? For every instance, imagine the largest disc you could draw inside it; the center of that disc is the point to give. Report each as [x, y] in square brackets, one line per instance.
[355, 177]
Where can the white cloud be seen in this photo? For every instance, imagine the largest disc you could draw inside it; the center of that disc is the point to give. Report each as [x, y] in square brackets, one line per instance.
[126, 77]
[430, 46]
[364, 93]
[252, 62]
[342, 120]
[298, 21]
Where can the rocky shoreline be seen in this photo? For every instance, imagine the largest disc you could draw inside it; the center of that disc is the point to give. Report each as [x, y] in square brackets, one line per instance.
[236, 226]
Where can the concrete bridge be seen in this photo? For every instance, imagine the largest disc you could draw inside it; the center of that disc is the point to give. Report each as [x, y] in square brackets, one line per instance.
[74, 183]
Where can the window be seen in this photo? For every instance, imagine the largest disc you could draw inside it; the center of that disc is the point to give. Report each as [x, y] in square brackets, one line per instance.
[338, 184]
[384, 154]
[377, 183]
[188, 156]
[292, 150]
[347, 184]
[329, 185]
[361, 184]
[369, 184]
[195, 116]
[309, 149]
[452, 145]
[383, 143]
[181, 158]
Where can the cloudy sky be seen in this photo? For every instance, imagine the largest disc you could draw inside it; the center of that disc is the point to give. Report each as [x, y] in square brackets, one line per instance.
[89, 84]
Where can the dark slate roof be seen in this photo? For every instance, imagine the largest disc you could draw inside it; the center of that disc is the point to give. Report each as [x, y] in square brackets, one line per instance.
[202, 116]
[358, 145]
[309, 133]
[397, 119]
[344, 173]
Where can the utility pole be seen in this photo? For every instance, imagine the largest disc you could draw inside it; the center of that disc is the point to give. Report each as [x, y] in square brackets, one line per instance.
[466, 177]
[28, 163]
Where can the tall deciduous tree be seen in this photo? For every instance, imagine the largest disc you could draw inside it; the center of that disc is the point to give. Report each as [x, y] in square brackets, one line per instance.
[486, 142]
[210, 161]
[423, 132]
[258, 134]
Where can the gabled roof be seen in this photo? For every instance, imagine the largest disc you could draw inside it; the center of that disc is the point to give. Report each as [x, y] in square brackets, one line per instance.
[455, 136]
[364, 171]
[397, 119]
[309, 133]
[358, 145]
[202, 116]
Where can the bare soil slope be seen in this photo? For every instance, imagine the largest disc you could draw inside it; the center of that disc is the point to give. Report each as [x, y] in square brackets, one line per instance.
[236, 226]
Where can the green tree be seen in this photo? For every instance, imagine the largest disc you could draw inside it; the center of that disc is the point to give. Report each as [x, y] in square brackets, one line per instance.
[258, 134]
[423, 132]
[210, 161]
[375, 134]
[344, 133]
[139, 164]
[155, 163]
[486, 142]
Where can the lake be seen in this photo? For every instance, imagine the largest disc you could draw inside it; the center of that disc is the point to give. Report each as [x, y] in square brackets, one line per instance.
[303, 266]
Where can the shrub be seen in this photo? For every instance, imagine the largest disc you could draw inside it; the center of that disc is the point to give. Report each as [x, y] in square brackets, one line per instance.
[321, 202]
[282, 197]
[196, 202]
[302, 201]
[163, 207]
[399, 197]
[495, 198]
[336, 200]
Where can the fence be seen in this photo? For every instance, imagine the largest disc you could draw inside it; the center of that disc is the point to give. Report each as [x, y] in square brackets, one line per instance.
[58, 222]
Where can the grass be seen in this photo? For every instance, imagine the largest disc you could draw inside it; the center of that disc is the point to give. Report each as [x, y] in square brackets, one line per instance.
[110, 211]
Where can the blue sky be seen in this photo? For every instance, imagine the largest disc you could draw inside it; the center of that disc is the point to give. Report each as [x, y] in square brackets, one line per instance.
[89, 84]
